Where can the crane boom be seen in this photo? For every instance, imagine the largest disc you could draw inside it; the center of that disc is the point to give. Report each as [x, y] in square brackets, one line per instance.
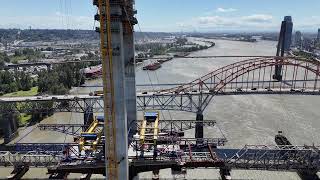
[108, 90]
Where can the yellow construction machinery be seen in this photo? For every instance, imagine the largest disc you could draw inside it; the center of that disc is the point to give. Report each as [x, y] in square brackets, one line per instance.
[90, 138]
[149, 129]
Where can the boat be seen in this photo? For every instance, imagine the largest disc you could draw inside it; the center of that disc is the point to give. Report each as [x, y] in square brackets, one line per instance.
[165, 60]
[152, 67]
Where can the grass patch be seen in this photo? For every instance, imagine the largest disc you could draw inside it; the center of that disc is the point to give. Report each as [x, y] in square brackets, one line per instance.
[24, 119]
[32, 92]
[18, 58]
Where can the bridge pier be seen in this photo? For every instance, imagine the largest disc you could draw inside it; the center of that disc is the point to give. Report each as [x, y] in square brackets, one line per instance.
[18, 172]
[199, 126]
[86, 176]
[121, 20]
[225, 173]
[62, 175]
[283, 45]
[9, 125]
[309, 174]
[130, 76]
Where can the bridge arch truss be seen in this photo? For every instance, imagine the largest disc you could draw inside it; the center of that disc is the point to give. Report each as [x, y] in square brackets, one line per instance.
[253, 76]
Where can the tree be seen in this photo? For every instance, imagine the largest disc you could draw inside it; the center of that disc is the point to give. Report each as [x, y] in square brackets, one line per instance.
[17, 53]
[60, 79]
[26, 82]
[2, 64]
[6, 59]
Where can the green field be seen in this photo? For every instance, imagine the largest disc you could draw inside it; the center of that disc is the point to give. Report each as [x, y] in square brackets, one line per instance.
[32, 92]
[16, 59]
[24, 119]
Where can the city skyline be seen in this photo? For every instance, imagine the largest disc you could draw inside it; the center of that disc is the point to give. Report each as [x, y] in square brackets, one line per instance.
[167, 15]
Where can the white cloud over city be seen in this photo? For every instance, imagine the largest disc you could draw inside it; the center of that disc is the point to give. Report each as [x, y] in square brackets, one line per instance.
[57, 20]
[225, 10]
[231, 22]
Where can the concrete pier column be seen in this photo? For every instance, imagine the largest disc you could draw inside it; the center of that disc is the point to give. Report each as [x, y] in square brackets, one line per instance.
[9, 125]
[308, 174]
[123, 74]
[199, 126]
[155, 175]
[130, 78]
[36, 117]
[284, 44]
[18, 172]
[119, 93]
[225, 173]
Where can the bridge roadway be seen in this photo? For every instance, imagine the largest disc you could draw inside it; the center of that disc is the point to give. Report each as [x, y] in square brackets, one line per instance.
[146, 100]
[49, 64]
[271, 158]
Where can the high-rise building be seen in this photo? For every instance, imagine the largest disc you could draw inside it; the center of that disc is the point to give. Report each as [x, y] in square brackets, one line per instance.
[318, 37]
[298, 39]
[288, 35]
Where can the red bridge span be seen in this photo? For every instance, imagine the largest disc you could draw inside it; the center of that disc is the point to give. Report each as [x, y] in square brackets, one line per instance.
[298, 76]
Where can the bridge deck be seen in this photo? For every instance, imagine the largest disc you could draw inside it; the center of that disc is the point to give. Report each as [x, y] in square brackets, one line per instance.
[275, 158]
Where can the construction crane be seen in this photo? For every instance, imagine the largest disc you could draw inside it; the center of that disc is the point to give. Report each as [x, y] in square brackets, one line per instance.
[104, 17]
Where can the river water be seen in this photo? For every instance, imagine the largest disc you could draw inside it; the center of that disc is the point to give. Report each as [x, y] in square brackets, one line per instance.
[242, 119]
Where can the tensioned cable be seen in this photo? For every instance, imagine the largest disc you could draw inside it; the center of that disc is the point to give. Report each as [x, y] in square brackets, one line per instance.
[131, 27]
[152, 86]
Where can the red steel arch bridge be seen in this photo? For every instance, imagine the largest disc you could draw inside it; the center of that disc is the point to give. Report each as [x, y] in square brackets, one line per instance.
[253, 76]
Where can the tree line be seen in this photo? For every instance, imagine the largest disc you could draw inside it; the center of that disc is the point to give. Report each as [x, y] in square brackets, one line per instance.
[60, 79]
[57, 81]
[15, 81]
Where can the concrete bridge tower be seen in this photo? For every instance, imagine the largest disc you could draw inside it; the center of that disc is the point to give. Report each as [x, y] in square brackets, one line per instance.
[284, 44]
[116, 29]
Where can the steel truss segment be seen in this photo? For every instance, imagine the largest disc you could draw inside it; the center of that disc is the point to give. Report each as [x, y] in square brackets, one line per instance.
[33, 159]
[275, 157]
[288, 158]
[50, 148]
[180, 125]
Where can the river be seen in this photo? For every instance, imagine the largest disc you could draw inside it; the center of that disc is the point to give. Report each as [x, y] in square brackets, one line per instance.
[242, 119]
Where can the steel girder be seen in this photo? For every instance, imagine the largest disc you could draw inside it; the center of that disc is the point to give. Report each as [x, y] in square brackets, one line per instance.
[164, 125]
[275, 158]
[33, 159]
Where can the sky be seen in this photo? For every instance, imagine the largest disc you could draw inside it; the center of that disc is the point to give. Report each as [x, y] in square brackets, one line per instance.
[167, 15]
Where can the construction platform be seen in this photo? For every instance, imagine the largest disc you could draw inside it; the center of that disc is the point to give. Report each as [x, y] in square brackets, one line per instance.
[157, 144]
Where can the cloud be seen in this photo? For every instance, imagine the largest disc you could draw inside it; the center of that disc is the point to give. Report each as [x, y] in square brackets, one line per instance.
[259, 18]
[57, 20]
[224, 10]
[256, 19]
[310, 24]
